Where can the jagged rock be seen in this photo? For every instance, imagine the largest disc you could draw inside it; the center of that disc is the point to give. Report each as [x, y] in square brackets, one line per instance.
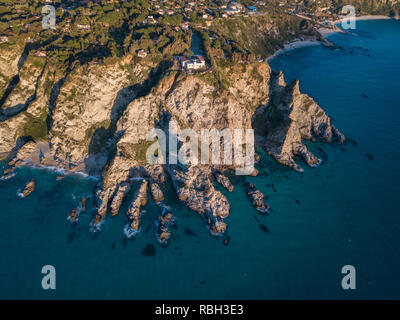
[10, 170]
[164, 221]
[193, 186]
[156, 192]
[133, 212]
[28, 189]
[74, 216]
[83, 203]
[291, 117]
[222, 180]
[7, 176]
[257, 199]
[254, 173]
[99, 120]
[122, 191]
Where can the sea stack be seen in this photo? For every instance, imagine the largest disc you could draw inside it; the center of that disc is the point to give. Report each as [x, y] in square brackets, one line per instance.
[257, 199]
[222, 180]
[28, 189]
[133, 212]
[156, 192]
[164, 221]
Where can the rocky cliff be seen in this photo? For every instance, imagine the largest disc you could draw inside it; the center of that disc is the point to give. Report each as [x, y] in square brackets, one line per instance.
[94, 119]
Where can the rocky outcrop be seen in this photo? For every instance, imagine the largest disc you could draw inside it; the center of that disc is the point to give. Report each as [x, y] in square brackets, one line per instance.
[73, 217]
[156, 192]
[28, 189]
[119, 196]
[290, 118]
[257, 199]
[222, 180]
[96, 121]
[194, 187]
[133, 212]
[164, 221]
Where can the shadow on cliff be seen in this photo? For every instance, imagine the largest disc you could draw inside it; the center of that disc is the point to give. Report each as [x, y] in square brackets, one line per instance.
[15, 79]
[15, 110]
[268, 118]
[103, 144]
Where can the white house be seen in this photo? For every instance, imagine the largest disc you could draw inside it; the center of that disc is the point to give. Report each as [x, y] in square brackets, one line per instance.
[193, 63]
[142, 53]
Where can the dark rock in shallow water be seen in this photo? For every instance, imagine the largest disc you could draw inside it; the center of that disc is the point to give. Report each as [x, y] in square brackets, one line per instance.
[189, 232]
[264, 228]
[124, 242]
[297, 201]
[71, 237]
[352, 142]
[149, 250]
[370, 156]
[226, 240]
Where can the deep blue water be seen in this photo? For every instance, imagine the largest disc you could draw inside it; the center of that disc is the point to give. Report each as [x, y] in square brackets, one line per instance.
[347, 210]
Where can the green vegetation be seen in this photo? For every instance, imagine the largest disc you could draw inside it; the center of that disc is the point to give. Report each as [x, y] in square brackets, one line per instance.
[34, 127]
[90, 131]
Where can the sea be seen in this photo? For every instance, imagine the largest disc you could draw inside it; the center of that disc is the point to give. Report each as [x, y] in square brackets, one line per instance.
[345, 212]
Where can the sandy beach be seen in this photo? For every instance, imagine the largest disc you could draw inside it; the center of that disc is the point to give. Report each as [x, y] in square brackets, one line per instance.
[298, 43]
[327, 31]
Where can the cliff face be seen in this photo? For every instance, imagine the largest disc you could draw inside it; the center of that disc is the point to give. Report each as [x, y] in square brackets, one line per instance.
[290, 118]
[95, 120]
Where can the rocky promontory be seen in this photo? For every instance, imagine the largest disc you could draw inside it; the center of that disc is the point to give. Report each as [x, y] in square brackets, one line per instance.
[97, 120]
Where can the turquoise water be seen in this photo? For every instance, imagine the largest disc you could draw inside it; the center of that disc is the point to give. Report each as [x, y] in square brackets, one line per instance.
[345, 212]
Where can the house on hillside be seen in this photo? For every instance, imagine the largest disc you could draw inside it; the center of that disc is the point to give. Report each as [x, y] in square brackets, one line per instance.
[195, 62]
[142, 53]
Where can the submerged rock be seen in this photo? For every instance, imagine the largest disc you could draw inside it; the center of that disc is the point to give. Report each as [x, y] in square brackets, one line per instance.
[257, 199]
[83, 204]
[74, 216]
[149, 250]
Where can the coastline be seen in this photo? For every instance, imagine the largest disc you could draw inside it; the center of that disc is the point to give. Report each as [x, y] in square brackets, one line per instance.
[324, 32]
[295, 44]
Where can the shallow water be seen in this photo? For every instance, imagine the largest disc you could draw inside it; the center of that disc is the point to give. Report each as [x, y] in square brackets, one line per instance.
[344, 212]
